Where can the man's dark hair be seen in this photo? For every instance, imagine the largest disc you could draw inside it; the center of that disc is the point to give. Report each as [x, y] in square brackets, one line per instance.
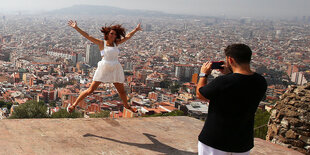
[240, 52]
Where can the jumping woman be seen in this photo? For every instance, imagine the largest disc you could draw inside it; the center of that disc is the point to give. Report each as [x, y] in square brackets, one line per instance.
[109, 69]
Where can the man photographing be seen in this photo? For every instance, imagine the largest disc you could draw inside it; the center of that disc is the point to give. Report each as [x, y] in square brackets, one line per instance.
[233, 101]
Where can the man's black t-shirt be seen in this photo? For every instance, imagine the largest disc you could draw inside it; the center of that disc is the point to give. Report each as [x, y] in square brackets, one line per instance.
[234, 99]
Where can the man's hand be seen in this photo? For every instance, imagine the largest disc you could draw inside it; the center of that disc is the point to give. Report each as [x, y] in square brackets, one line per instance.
[206, 68]
[226, 69]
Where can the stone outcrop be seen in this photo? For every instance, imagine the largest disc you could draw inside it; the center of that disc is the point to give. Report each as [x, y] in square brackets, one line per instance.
[289, 123]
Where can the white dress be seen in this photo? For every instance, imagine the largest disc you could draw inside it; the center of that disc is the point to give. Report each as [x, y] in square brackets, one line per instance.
[109, 69]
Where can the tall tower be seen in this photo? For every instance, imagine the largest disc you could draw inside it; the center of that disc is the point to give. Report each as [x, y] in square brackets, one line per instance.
[148, 27]
[92, 55]
[278, 34]
[185, 72]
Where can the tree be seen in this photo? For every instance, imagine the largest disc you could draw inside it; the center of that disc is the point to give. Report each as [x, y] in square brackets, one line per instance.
[63, 84]
[52, 103]
[260, 123]
[30, 109]
[272, 76]
[174, 88]
[101, 114]
[9, 105]
[165, 84]
[173, 113]
[2, 104]
[64, 114]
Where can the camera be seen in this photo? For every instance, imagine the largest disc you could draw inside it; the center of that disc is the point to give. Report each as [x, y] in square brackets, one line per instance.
[217, 65]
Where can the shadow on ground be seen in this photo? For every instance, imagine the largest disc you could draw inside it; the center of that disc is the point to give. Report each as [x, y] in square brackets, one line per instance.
[156, 146]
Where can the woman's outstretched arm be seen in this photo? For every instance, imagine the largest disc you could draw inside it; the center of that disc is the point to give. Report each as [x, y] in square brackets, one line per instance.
[130, 34]
[73, 24]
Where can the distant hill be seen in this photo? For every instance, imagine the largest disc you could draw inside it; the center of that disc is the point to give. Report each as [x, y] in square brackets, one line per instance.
[104, 10]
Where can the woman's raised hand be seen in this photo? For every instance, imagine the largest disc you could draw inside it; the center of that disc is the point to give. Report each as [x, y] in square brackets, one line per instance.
[72, 24]
[138, 28]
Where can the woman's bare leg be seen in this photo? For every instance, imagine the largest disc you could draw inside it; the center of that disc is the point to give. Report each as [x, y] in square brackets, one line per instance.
[122, 93]
[94, 85]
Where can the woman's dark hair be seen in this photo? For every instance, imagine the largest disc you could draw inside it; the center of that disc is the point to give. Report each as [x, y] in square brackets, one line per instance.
[240, 52]
[120, 31]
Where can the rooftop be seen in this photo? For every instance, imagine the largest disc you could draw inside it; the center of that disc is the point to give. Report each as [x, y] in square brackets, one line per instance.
[146, 135]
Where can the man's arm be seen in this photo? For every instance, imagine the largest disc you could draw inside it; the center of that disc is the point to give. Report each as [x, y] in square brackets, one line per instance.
[206, 69]
[202, 82]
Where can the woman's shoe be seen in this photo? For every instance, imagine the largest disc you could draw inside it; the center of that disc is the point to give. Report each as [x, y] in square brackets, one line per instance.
[69, 105]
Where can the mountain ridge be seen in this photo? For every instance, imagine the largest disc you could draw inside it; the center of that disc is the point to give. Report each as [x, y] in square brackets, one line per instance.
[105, 10]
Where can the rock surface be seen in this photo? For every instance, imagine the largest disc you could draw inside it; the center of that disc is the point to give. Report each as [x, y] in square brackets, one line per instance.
[289, 123]
[138, 136]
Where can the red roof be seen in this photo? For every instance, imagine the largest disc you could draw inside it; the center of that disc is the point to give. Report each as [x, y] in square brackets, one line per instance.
[21, 101]
[170, 108]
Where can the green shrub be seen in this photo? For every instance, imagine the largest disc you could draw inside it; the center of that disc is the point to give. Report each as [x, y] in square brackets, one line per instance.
[64, 114]
[260, 123]
[101, 114]
[30, 109]
[173, 113]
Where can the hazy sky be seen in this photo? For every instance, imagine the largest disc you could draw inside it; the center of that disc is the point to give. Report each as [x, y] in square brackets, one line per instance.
[262, 8]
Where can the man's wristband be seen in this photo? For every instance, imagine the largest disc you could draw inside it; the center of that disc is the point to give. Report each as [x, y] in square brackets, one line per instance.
[203, 75]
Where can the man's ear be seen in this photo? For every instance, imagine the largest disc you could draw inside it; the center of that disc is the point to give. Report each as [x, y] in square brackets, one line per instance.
[230, 59]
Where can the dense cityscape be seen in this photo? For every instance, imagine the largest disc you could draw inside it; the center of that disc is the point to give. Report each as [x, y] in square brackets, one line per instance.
[45, 60]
